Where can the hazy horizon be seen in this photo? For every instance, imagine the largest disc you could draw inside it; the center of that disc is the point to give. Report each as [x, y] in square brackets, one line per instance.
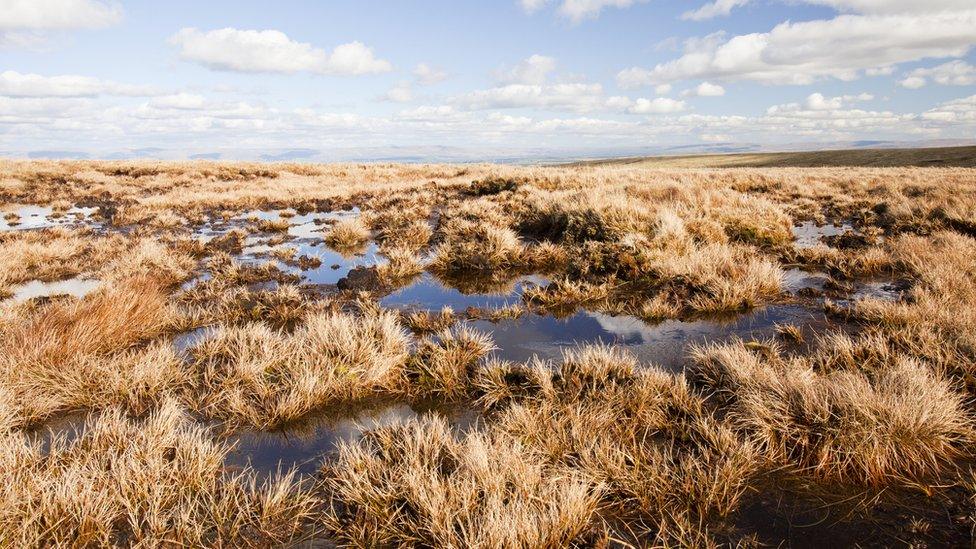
[508, 81]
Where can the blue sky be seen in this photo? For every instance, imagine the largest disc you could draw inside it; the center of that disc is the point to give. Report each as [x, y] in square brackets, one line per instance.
[507, 78]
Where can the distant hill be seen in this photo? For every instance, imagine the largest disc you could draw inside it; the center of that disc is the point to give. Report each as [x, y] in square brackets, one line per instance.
[962, 157]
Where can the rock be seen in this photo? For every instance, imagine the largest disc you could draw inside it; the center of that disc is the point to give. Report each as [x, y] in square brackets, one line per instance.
[361, 279]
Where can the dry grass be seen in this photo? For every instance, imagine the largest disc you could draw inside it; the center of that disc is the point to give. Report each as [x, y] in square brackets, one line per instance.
[141, 483]
[258, 376]
[901, 421]
[347, 234]
[594, 449]
[419, 484]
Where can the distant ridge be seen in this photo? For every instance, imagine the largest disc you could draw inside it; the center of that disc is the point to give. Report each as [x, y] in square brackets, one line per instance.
[955, 157]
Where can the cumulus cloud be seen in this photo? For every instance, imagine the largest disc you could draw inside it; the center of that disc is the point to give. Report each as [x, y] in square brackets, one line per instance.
[578, 10]
[705, 89]
[532, 6]
[575, 97]
[953, 73]
[238, 50]
[402, 92]
[804, 52]
[892, 6]
[718, 8]
[819, 102]
[15, 84]
[190, 122]
[28, 23]
[428, 75]
[913, 82]
[954, 111]
[662, 89]
[181, 101]
[658, 105]
[58, 14]
[532, 70]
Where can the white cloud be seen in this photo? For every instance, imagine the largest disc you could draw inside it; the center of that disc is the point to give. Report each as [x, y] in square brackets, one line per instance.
[428, 75]
[15, 84]
[58, 14]
[818, 102]
[429, 113]
[893, 6]
[804, 52]
[705, 89]
[718, 8]
[578, 10]
[662, 89]
[957, 110]
[574, 97]
[953, 73]
[181, 101]
[658, 105]
[272, 51]
[182, 123]
[532, 6]
[532, 70]
[912, 82]
[400, 93]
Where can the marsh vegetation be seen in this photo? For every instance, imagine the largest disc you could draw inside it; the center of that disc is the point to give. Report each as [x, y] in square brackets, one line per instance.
[485, 356]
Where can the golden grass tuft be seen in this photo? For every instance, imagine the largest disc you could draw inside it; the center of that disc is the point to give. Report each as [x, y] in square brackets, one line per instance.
[476, 490]
[900, 422]
[255, 375]
[144, 483]
[347, 234]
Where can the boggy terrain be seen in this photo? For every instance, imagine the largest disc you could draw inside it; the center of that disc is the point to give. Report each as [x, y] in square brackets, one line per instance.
[485, 356]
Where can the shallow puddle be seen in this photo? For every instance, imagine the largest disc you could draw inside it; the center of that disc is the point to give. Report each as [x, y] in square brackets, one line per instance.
[809, 235]
[305, 444]
[190, 338]
[665, 343]
[336, 265]
[430, 293]
[77, 287]
[13, 218]
[796, 279]
[883, 290]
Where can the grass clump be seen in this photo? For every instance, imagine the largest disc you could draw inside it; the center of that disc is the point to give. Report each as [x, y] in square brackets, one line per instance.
[478, 247]
[153, 482]
[347, 234]
[899, 422]
[421, 484]
[443, 365]
[262, 377]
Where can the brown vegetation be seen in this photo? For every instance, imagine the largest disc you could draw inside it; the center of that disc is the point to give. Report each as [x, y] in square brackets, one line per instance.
[191, 339]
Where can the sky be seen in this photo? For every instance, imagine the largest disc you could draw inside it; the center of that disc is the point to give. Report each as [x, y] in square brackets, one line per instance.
[479, 79]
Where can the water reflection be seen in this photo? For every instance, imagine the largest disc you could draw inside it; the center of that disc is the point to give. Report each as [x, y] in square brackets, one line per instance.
[304, 444]
[430, 293]
[665, 343]
[809, 235]
[23, 217]
[77, 287]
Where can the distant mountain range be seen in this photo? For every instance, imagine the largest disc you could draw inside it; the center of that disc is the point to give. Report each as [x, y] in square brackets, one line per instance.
[427, 154]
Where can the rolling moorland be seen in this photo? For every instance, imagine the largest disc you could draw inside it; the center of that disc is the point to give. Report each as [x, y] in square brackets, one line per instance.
[617, 355]
[942, 157]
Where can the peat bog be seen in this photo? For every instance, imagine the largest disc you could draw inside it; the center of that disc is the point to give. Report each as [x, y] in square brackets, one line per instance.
[262, 354]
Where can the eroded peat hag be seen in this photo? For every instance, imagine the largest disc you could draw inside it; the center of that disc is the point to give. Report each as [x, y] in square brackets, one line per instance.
[489, 356]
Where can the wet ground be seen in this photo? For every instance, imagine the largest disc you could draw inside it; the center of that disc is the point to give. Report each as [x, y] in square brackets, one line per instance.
[270, 234]
[76, 287]
[304, 444]
[21, 217]
[664, 344]
[809, 234]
